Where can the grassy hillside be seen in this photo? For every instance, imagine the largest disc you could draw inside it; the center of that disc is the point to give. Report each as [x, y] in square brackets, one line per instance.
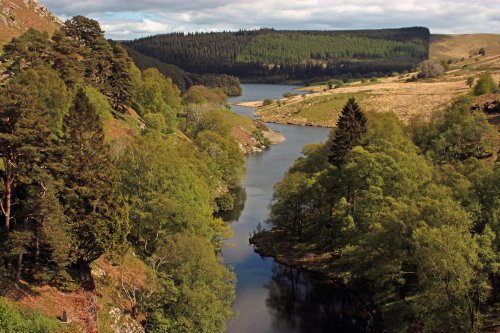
[394, 93]
[288, 55]
[462, 46]
[17, 16]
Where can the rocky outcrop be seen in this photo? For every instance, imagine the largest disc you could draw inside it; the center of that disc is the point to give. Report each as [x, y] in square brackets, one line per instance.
[17, 16]
[123, 323]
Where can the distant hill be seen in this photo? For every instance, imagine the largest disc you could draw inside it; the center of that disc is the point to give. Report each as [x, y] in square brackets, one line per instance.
[462, 46]
[17, 16]
[184, 80]
[291, 54]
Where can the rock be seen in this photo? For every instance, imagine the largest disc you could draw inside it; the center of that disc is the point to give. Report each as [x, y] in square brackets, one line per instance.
[64, 317]
[123, 323]
[98, 272]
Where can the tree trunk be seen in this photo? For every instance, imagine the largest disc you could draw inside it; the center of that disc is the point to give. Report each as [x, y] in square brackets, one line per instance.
[18, 268]
[7, 209]
[85, 275]
[8, 192]
[36, 254]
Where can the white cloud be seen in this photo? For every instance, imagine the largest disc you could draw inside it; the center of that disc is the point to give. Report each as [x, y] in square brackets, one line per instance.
[130, 19]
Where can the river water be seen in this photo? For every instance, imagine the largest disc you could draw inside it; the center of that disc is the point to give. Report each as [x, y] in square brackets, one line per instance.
[271, 297]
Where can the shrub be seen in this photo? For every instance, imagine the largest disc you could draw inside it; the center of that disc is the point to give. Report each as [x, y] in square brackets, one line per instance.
[485, 85]
[13, 320]
[289, 94]
[155, 121]
[261, 139]
[413, 78]
[267, 101]
[430, 69]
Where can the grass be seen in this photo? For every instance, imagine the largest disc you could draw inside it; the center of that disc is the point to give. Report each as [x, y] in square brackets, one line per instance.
[458, 46]
[394, 94]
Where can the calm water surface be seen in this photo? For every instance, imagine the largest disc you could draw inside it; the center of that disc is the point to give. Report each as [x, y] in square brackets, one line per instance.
[270, 297]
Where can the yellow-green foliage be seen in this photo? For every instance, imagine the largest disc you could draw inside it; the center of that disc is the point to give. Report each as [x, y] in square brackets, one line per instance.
[16, 320]
[51, 91]
[485, 85]
[154, 93]
[163, 182]
[101, 105]
[202, 94]
[202, 291]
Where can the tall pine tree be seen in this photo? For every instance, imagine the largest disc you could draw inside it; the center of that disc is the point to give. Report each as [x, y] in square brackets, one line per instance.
[351, 126]
[92, 201]
[25, 141]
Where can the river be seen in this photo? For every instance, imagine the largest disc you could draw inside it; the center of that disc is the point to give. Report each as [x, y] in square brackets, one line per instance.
[270, 297]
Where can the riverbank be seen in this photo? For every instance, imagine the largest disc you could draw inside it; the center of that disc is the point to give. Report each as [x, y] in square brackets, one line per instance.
[321, 106]
[273, 243]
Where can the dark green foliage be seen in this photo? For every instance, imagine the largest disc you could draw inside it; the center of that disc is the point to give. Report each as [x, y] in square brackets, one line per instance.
[36, 227]
[290, 54]
[184, 80]
[351, 126]
[120, 82]
[31, 49]
[90, 43]
[415, 238]
[79, 53]
[24, 135]
[91, 199]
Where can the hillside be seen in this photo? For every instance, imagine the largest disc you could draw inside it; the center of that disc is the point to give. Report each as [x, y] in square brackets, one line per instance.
[17, 16]
[393, 93]
[462, 46]
[136, 242]
[290, 55]
[184, 80]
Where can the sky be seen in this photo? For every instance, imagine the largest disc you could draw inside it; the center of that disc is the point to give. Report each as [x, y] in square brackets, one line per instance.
[129, 19]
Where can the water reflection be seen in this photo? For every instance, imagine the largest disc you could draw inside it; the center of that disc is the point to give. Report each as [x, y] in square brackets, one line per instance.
[271, 298]
[240, 197]
[304, 302]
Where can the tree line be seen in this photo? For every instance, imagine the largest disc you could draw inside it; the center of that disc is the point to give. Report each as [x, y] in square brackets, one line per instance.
[93, 165]
[184, 80]
[290, 54]
[409, 214]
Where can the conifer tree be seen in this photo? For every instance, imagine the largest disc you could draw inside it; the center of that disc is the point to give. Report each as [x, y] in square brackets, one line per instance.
[51, 242]
[92, 202]
[25, 139]
[24, 134]
[67, 54]
[30, 49]
[88, 38]
[351, 126]
[120, 82]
